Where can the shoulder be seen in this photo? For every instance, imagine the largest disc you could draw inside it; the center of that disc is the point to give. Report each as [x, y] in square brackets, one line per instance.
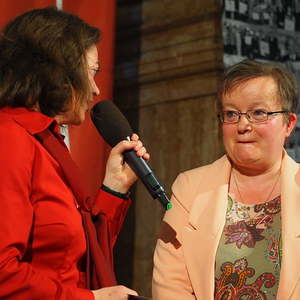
[290, 167]
[9, 126]
[14, 138]
[189, 183]
[193, 176]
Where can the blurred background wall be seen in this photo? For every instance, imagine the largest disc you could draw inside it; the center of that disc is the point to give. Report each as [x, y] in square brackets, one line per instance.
[169, 56]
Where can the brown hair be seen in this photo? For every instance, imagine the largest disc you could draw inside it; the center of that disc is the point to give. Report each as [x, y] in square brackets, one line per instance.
[42, 60]
[249, 69]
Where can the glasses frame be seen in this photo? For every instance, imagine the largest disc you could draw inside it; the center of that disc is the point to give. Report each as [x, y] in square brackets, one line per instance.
[248, 116]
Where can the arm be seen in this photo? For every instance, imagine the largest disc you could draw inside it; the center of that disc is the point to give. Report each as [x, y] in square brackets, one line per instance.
[19, 280]
[109, 213]
[109, 209]
[170, 276]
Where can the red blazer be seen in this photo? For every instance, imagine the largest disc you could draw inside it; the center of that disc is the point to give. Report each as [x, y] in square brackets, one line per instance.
[42, 241]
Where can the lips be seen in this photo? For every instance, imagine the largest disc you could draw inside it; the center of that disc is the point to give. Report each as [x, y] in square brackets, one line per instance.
[245, 142]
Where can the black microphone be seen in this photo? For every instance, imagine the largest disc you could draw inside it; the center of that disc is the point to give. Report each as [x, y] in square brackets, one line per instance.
[114, 127]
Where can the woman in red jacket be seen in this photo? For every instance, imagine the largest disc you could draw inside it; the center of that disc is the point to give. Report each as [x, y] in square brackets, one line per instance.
[48, 60]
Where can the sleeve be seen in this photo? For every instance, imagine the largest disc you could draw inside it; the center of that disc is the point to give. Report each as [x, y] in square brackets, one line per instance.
[18, 279]
[170, 276]
[110, 212]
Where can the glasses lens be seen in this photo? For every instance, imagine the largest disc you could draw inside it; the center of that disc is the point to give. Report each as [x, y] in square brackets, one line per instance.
[230, 116]
[257, 115]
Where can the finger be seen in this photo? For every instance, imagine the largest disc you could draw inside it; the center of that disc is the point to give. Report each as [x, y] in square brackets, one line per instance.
[134, 137]
[146, 156]
[124, 145]
[138, 146]
[132, 292]
[129, 291]
[141, 151]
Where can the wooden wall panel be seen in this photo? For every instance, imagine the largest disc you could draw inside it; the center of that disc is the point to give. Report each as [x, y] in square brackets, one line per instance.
[169, 59]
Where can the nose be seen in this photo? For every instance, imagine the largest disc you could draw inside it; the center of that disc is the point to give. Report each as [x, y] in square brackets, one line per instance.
[95, 89]
[244, 124]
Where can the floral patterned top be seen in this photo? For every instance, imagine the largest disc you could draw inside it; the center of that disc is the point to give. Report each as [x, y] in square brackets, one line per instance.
[249, 254]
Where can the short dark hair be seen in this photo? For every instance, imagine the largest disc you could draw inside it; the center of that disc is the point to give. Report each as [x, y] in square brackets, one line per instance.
[249, 69]
[42, 60]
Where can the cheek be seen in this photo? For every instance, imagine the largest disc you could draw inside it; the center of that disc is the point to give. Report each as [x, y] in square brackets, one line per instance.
[264, 131]
[228, 132]
[80, 112]
[273, 135]
[77, 115]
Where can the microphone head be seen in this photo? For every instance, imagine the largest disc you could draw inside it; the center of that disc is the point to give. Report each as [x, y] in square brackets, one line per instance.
[110, 122]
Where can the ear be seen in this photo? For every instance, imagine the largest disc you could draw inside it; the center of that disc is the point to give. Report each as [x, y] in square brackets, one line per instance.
[291, 124]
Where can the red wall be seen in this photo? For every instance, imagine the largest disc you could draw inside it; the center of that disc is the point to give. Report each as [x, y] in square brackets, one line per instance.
[10, 9]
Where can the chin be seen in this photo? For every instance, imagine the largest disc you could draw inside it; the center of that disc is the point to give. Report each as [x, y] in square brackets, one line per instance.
[77, 122]
[246, 161]
[245, 157]
[78, 119]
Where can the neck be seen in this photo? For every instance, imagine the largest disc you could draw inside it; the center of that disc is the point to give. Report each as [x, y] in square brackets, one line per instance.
[262, 170]
[258, 174]
[250, 189]
[255, 187]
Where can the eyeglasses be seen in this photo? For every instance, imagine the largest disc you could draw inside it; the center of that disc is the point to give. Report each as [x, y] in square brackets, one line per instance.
[253, 116]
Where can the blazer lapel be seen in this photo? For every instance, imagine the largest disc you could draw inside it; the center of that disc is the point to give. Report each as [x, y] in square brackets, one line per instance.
[206, 222]
[290, 195]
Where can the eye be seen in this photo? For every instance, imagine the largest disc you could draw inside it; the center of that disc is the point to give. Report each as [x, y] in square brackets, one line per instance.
[259, 113]
[94, 71]
[230, 114]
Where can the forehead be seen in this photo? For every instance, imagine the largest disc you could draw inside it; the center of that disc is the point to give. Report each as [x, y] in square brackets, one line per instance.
[254, 91]
[92, 56]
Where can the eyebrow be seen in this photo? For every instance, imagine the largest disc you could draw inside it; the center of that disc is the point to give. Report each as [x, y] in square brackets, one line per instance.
[251, 105]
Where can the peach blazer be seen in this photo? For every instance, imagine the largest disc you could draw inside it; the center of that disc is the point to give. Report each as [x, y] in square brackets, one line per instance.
[184, 257]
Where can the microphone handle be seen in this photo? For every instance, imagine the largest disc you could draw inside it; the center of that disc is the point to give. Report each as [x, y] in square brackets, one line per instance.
[143, 171]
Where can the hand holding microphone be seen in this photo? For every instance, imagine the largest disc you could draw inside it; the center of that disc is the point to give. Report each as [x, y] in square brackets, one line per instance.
[114, 128]
[119, 176]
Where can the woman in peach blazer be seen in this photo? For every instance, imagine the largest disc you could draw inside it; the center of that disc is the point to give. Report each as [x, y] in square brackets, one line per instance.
[191, 259]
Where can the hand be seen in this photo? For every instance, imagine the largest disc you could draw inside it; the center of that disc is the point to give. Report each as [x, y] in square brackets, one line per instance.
[118, 292]
[119, 176]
